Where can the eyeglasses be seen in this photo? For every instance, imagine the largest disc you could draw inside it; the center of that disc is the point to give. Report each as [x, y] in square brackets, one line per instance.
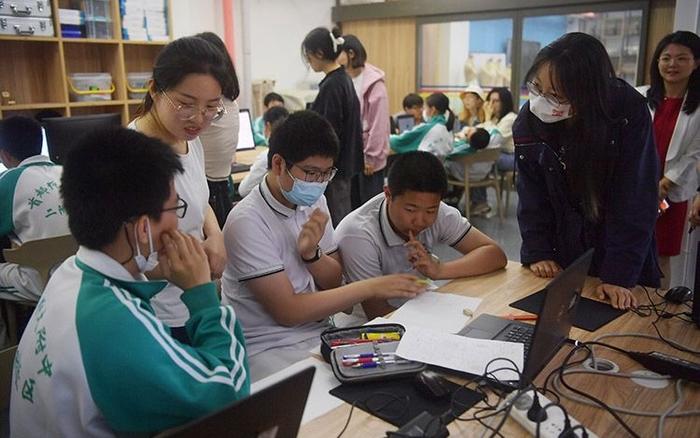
[314, 174]
[180, 208]
[534, 90]
[189, 112]
[682, 60]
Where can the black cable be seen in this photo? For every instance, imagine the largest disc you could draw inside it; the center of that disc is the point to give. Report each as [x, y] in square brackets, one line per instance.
[352, 408]
[365, 403]
[590, 397]
[557, 405]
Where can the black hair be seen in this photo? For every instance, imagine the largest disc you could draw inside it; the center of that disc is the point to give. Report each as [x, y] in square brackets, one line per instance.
[304, 134]
[417, 171]
[272, 97]
[506, 98]
[21, 137]
[320, 42]
[360, 54]
[112, 176]
[657, 91]
[479, 139]
[231, 89]
[182, 57]
[412, 100]
[580, 67]
[275, 115]
[440, 102]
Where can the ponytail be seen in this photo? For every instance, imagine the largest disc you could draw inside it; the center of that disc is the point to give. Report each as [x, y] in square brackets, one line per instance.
[450, 120]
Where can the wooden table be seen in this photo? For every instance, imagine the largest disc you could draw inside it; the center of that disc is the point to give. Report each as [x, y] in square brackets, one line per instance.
[246, 157]
[505, 286]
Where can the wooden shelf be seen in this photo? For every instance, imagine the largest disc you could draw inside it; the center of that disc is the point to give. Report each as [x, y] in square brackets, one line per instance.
[36, 69]
[29, 39]
[89, 41]
[96, 103]
[32, 106]
[145, 43]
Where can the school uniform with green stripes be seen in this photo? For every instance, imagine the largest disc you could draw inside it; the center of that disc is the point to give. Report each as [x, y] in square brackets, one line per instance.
[95, 361]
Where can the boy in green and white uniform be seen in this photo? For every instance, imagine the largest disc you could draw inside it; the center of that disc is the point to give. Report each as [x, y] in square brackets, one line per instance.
[94, 360]
[30, 202]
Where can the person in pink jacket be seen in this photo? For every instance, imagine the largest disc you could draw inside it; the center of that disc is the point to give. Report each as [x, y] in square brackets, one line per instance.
[374, 112]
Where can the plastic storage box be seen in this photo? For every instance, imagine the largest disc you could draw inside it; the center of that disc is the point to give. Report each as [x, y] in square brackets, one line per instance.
[90, 86]
[98, 19]
[137, 84]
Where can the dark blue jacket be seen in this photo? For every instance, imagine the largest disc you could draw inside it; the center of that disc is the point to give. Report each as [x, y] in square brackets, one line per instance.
[552, 223]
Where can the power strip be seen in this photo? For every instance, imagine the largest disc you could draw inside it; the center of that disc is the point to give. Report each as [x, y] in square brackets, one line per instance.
[549, 428]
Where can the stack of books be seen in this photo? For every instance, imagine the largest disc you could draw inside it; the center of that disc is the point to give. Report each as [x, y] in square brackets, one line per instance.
[72, 23]
[144, 20]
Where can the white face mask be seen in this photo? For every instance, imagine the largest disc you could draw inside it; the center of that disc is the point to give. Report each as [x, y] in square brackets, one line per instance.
[426, 116]
[146, 264]
[548, 112]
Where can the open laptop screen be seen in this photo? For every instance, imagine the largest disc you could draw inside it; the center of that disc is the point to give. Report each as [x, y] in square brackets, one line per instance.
[556, 318]
[405, 122]
[245, 131]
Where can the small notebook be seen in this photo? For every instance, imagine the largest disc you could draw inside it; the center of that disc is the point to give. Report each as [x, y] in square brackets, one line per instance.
[398, 401]
[590, 314]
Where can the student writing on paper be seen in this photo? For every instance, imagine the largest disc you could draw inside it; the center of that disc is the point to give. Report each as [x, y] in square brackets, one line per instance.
[397, 230]
[284, 272]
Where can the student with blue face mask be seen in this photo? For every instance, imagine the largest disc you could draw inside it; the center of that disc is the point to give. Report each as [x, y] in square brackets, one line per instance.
[283, 274]
[587, 170]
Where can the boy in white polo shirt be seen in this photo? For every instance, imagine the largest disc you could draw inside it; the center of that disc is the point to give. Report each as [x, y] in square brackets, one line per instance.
[283, 274]
[396, 231]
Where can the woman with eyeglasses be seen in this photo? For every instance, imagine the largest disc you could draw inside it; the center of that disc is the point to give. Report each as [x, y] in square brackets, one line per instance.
[587, 170]
[673, 99]
[184, 97]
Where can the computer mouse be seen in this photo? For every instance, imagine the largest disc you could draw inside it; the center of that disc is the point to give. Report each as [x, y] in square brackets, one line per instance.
[432, 385]
[679, 294]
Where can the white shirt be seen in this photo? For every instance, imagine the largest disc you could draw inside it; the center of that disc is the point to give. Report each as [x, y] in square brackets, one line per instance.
[191, 185]
[219, 141]
[261, 239]
[358, 82]
[370, 247]
[255, 175]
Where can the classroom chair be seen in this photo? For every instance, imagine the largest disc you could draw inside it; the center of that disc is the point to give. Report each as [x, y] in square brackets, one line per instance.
[491, 180]
[42, 255]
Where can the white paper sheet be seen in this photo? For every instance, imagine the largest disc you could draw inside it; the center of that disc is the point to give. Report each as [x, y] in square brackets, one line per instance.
[438, 311]
[319, 401]
[460, 353]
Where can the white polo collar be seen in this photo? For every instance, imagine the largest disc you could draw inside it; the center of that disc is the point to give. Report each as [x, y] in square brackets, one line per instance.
[390, 237]
[35, 159]
[272, 202]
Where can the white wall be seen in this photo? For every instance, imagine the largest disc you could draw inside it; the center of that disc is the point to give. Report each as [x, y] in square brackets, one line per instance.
[276, 29]
[687, 16]
[191, 17]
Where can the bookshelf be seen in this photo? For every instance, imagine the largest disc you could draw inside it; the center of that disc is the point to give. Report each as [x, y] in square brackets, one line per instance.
[35, 69]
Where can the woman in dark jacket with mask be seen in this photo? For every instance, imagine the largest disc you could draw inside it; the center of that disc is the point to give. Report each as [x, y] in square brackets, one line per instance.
[588, 170]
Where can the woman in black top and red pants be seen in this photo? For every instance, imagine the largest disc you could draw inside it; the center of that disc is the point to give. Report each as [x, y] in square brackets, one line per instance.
[338, 103]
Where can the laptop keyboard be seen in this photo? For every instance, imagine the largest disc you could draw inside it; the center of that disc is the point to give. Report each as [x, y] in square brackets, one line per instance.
[518, 333]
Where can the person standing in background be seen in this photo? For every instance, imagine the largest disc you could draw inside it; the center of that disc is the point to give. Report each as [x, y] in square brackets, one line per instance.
[673, 98]
[374, 112]
[337, 102]
[221, 138]
[184, 97]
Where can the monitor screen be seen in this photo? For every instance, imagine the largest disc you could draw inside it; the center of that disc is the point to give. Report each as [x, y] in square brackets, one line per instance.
[405, 123]
[44, 149]
[245, 131]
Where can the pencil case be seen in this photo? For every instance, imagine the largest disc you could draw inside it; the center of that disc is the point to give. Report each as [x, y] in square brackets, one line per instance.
[366, 353]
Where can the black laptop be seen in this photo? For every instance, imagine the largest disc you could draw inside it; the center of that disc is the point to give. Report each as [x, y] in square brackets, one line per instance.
[405, 122]
[553, 325]
[275, 411]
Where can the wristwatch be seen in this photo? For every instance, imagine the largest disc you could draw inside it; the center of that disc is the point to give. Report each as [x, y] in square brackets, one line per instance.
[316, 256]
[435, 258]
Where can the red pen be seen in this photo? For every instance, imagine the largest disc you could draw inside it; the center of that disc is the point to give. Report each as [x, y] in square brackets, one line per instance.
[521, 317]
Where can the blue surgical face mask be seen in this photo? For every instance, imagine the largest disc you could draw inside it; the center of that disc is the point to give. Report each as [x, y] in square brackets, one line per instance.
[303, 192]
[146, 264]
